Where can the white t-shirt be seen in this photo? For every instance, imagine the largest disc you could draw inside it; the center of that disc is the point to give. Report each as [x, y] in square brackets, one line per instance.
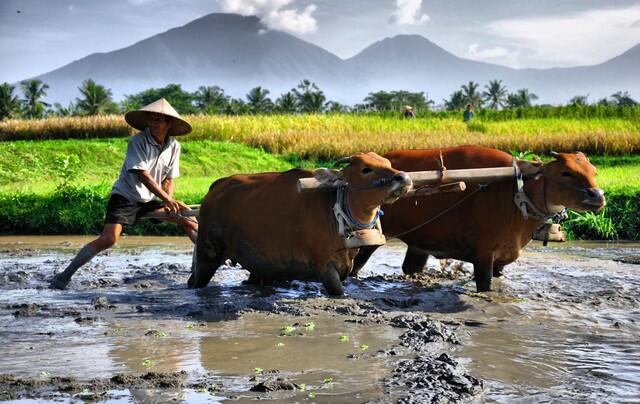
[144, 153]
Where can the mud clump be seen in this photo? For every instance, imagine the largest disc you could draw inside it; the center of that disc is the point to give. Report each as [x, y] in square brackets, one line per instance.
[422, 331]
[26, 310]
[428, 377]
[14, 388]
[278, 384]
[151, 380]
[433, 379]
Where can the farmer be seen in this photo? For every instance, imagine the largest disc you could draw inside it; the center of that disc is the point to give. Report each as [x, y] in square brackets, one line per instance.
[408, 112]
[146, 178]
[468, 114]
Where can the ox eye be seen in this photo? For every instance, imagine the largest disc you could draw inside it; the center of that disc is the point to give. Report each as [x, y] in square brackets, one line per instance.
[567, 174]
[366, 170]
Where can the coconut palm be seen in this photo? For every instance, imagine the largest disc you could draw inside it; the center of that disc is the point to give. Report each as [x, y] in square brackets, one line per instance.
[34, 90]
[60, 110]
[495, 94]
[96, 99]
[9, 103]
[287, 103]
[309, 97]
[334, 107]
[258, 100]
[380, 100]
[623, 99]
[211, 99]
[471, 94]
[456, 101]
[521, 99]
[579, 100]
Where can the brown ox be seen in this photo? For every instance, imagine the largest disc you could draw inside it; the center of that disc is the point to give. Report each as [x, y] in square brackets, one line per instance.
[263, 223]
[486, 229]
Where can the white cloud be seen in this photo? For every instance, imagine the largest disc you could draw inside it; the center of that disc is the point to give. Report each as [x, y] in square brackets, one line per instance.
[407, 13]
[273, 14]
[475, 52]
[587, 37]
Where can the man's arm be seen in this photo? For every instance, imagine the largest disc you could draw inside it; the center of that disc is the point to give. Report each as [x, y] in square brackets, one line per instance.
[164, 192]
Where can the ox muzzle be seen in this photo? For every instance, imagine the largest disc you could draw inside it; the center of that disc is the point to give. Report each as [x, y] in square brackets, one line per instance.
[594, 197]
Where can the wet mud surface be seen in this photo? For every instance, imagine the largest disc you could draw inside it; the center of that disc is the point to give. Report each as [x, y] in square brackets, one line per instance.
[563, 324]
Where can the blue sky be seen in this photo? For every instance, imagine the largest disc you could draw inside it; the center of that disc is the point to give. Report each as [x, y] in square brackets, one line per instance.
[37, 36]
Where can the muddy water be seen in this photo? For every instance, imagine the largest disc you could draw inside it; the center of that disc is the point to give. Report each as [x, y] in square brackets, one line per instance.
[562, 325]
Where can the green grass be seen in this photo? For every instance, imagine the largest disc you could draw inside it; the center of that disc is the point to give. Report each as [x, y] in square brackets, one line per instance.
[31, 201]
[34, 166]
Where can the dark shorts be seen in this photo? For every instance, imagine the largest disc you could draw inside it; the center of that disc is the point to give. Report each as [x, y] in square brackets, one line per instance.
[123, 211]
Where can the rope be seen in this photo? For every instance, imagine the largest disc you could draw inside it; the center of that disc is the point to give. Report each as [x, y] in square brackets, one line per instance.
[444, 212]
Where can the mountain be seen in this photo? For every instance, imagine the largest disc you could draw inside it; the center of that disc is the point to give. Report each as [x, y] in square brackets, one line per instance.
[412, 62]
[238, 53]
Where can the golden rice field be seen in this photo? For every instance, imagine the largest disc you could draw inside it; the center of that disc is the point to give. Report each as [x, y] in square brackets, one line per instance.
[331, 136]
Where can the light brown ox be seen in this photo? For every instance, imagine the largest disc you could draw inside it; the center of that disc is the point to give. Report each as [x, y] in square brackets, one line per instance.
[276, 233]
[487, 229]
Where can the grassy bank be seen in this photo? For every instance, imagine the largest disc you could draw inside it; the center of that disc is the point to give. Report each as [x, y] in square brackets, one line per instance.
[332, 136]
[32, 201]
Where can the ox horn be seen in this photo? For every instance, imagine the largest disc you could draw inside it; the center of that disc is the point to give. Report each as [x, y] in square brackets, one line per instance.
[344, 160]
[555, 154]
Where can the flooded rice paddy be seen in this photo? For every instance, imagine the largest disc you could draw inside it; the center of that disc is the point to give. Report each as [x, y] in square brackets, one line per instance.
[563, 325]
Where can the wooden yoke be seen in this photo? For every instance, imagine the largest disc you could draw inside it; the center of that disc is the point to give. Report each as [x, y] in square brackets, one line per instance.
[435, 177]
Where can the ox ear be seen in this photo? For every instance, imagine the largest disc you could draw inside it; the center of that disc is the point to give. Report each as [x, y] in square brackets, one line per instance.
[329, 177]
[531, 169]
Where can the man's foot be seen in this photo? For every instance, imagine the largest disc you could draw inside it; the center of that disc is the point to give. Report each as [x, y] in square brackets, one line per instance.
[59, 283]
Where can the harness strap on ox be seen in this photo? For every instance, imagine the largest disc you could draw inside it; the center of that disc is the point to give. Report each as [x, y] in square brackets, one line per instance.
[526, 206]
[354, 232]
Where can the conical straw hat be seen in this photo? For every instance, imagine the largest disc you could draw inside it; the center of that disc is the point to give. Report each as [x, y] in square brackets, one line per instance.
[139, 119]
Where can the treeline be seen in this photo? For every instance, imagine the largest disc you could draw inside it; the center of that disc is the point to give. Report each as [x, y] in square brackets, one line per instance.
[494, 102]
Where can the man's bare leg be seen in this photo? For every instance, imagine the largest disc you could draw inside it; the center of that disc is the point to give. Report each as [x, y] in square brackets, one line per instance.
[108, 238]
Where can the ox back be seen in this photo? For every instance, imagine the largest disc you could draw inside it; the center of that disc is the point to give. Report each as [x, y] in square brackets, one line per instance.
[487, 229]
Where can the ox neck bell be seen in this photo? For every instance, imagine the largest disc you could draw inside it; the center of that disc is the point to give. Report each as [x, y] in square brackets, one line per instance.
[355, 233]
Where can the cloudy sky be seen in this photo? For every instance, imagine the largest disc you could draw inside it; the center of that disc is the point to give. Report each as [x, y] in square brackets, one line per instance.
[37, 36]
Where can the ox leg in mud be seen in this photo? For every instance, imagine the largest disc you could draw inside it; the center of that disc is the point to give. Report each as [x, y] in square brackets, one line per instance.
[414, 261]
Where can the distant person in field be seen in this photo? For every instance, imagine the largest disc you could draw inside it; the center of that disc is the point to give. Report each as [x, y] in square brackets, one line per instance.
[468, 114]
[146, 178]
[408, 112]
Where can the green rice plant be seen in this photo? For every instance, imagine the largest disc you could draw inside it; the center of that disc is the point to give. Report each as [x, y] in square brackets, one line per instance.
[593, 225]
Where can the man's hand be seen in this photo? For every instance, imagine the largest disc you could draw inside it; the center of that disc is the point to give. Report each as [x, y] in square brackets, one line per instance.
[175, 206]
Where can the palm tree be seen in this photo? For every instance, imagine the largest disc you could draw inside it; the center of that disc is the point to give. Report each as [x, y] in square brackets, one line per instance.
[495, 94]
[380, 100]
[96, 99]
[471, 94]
[309, 97]
[287, 103]
[456, 101]
[69, 110]
[34, 90]
[335, 107]
[579, 100]
[211, 99]
[521, 99]
[623, 99]
[259, 101]
[9, 103]
[236, 106]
